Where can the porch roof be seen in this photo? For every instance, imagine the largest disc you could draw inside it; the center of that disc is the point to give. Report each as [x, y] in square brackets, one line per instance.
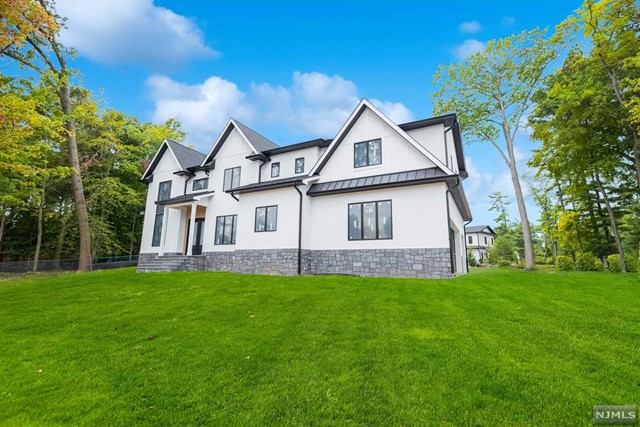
[193, 197]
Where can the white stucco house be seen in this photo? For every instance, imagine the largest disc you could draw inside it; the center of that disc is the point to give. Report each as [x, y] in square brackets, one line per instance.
[379, 199]
[479, 241]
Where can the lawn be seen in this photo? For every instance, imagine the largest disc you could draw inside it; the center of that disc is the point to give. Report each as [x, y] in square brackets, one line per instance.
[496, 347]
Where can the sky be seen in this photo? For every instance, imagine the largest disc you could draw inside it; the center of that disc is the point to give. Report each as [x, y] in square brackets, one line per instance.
[294, 71]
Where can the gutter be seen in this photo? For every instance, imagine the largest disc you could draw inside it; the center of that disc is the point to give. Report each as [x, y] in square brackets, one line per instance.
[299, 231]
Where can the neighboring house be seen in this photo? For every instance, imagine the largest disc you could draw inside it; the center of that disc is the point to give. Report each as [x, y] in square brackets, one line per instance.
[380, 199]
[479, 241]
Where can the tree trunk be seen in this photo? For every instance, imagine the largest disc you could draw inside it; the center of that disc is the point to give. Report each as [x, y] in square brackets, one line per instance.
[3, 221]
[61, 234]
[36, 257]
[76, 180]
[614, 226]
[133, 232]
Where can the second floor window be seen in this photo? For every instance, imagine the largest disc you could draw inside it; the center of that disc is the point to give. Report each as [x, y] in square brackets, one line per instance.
[266, 218]
[470, 240]
[200, 184]
[275, 170]
[300, 165]
[231, 178]
[367, 153]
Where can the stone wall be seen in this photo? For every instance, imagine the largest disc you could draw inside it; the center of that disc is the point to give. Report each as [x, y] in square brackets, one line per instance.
[425, 263]
[422, 263]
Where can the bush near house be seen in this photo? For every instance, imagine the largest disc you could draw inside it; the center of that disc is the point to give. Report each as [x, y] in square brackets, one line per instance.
[471, 259]
[501, 251]
[564, 263]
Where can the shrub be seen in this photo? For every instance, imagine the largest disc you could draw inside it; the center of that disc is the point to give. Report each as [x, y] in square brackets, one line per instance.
[586, 262]
[503, 263]
[631, 262]
[472, 260]
[540, 260]
[501, 250]
[614, 263]
[564, 263]
[598, 265]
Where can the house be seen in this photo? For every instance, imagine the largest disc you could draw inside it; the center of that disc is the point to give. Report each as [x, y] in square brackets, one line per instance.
[379, 199]
[479, 241]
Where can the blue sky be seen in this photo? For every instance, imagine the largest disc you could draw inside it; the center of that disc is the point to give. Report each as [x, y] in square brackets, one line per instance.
[291, 70]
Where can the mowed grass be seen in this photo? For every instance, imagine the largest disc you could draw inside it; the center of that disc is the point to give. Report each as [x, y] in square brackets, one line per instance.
[496, 347]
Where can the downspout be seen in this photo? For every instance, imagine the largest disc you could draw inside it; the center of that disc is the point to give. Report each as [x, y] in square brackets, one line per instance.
[299, 231]
[234, 196]
[451, 242]
[466, 253]
[191, 175]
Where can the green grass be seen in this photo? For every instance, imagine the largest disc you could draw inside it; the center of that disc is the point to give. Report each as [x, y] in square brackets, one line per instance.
[496, 347]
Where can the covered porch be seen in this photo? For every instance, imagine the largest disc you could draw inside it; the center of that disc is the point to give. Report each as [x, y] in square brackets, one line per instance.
[184, 217]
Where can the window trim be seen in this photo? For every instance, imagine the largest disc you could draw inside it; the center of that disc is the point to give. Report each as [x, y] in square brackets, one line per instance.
[376, 216]
[266, 213]
[206, 187]
[224, 178]
[368, 163]
[273, 165]
[160, 212]
[234, 229]
[295, 165]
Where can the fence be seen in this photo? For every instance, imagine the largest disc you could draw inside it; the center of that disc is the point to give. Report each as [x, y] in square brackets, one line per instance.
[101, 263]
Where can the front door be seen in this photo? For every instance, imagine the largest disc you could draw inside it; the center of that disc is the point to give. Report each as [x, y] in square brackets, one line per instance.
[198, 235]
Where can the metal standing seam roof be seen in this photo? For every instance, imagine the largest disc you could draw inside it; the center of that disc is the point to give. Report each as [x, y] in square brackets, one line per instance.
[186, 156]
[267, 185]
[258, 141]
[183, 198]
[386, 180]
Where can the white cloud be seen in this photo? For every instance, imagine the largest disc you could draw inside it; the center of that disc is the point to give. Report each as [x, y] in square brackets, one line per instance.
[508, 21]
[124, 32]
[315, 104]
[470, 27]
[468, 48]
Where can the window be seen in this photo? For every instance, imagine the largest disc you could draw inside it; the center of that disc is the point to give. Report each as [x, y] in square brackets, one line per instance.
[226, 227]
[266, 218]
[231, 178]
[367, 153]
[200, 184]
[370, 221]
[470, 239]
[300, 165]
[275, 170]
[492, 240]
[485, 240]
[164, 193]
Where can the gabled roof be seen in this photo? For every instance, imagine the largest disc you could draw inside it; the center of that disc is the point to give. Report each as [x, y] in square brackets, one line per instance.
[257, 142]
[389, 180]
[185, 157]
[480, 229]
[362, 106]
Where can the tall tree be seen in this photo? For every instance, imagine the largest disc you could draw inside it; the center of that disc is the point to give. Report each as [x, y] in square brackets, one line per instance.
[36, 47]
[491, 93]
[499, 203]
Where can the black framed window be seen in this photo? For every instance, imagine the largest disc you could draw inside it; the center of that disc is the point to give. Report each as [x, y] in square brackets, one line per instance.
[300, 165]
[275, 170]
[231, 178]
[164, 193]
[367, 153]
[200, 184]
[470, 239]
[485, 240]
[226, 228]
[370, 220]
[266, 218]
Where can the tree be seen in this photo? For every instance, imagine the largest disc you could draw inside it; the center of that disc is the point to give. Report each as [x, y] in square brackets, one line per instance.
[499, 203]
[491, 93]
[501, 250]
[35, 47]
[612, 27]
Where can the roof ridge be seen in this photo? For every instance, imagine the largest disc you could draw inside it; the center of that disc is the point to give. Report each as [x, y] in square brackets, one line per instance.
[184, 146]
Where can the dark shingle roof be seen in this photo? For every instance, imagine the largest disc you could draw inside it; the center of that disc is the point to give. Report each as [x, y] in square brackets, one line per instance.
[186, 156]
[479, 229]
[259, 142]
[395, 179]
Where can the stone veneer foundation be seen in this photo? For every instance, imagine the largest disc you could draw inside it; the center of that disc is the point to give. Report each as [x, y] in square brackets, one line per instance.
[419, 263]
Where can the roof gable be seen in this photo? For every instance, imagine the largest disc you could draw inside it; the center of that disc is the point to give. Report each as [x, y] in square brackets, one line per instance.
[184, 157]
[480, 229]
[257, 142]
[353, 118]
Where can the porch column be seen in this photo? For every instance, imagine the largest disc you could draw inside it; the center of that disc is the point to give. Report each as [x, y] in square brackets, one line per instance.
[163, 236]
[192, 227]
